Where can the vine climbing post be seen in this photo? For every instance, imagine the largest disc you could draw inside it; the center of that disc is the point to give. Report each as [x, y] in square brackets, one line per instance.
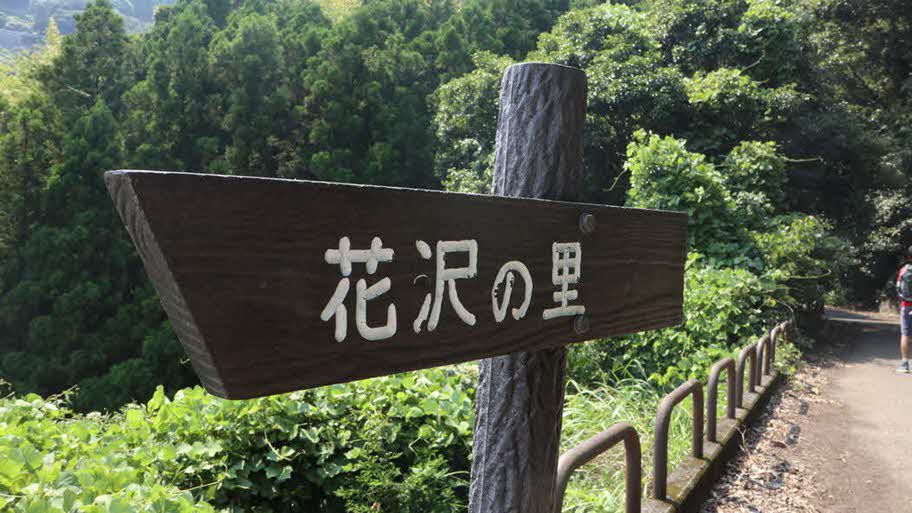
[539, 154]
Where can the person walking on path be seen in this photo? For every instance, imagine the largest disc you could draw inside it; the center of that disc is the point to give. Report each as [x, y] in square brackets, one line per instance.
[904, 291]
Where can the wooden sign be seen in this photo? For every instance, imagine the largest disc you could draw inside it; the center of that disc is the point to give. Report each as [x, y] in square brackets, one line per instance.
[277, 285]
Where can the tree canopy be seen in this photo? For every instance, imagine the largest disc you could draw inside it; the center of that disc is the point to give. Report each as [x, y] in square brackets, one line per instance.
[766, 120]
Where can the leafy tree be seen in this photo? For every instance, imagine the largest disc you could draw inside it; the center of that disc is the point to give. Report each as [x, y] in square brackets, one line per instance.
[28, 147]
[170, 123]
[665, 175]
[253, 87]
[248, 61]
[764, 107]
[88, 68]
[754, 173]
[70, 314]
[466, 123]
[865, 55]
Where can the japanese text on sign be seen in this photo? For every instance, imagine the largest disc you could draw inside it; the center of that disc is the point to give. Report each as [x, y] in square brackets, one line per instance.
[566, 269]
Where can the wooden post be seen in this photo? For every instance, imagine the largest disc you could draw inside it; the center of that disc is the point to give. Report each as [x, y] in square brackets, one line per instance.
[520, 396]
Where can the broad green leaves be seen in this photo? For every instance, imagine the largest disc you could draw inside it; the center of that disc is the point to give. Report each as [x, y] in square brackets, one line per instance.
[396, 440]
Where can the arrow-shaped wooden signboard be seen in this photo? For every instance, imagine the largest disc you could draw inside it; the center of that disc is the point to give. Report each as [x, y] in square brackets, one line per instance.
[277, 285]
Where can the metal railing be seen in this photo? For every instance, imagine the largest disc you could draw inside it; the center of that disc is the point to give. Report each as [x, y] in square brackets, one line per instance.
[761, 356]
[780, 329]
[712, 390]
[764, 350]
[663, 418]
[748, 352]
[588, 450]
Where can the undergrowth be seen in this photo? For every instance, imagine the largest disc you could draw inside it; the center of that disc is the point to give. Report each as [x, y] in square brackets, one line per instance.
[398, 444]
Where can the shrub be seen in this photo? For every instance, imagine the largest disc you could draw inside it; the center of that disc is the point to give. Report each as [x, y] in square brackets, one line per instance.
[754, 172]
[664, 175]
[804, 259]
[398, 443]
[723, 309]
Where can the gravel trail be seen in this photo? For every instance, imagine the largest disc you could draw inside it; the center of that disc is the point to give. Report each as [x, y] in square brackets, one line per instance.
[837, 438]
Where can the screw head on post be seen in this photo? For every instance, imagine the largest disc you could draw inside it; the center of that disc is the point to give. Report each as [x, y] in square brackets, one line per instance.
[581, 324]
[587, 223]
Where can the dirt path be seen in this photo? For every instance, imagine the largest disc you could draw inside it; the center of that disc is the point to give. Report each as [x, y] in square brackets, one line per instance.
[837, 439]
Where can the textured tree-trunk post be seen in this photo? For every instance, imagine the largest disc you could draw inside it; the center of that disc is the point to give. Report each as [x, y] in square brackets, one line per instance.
[520, 396]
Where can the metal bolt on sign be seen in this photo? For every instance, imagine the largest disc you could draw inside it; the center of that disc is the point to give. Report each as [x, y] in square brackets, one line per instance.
[588, 223]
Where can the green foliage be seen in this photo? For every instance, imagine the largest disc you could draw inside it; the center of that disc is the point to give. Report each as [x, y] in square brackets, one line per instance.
[338, 9]
[53, 461]
[252, 87]
[51, 338]
[758, 122]
[886, 245]
[466, 119]
[247, 58]
[716, 74]
[89, 66]
[665, 175]
[730, 107]
[18, 72]
[28, 147]
[399, 443]
[804, 258]
[404, 92]
[630, 86]
[723, 310]
[754, 172]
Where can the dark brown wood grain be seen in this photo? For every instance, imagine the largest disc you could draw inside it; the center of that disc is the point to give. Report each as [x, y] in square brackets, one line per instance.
[519, 400]
[239, 267]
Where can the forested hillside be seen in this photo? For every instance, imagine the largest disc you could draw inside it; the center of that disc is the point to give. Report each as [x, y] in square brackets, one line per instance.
[760, 107]
[23, 22]
[780, 126]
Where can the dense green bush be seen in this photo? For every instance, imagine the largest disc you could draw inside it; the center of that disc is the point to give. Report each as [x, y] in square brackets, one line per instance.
[723, 310]
[750, 265]
[665, 175]
[398, 443]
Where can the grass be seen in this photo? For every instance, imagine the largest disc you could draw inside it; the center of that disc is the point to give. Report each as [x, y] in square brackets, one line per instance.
[599, 485]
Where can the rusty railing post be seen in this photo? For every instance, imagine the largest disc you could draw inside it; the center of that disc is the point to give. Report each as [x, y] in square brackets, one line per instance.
[712, 390]
[774, 337]
[588, 450]
[663, 418]
[748, 352]
[764, 350]
[780, 330]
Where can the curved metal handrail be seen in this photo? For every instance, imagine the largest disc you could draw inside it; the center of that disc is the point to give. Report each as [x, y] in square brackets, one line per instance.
[774, 337]
[748, 352]
[663, 418]
[764, 351]
[588, 450]
[712, 390]
[780, 330]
